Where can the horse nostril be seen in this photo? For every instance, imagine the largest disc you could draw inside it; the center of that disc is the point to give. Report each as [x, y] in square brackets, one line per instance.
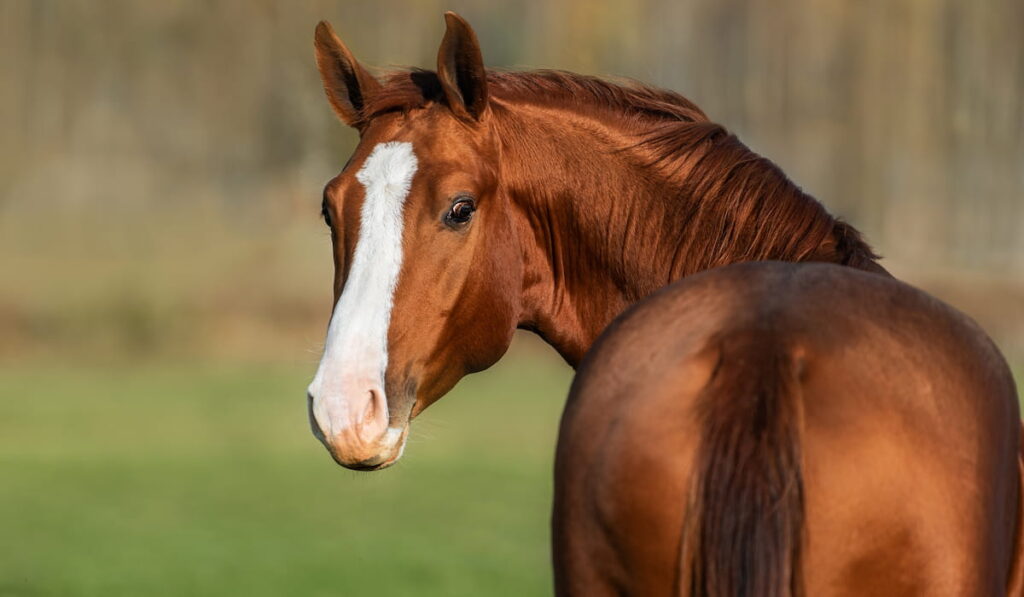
[368, 409]
[372, 416]
[314, 425]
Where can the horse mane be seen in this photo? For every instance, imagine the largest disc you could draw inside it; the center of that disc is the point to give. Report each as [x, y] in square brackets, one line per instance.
[406, 90]
[748, 209]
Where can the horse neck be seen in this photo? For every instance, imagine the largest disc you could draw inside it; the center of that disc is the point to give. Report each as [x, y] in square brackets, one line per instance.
[607, 221]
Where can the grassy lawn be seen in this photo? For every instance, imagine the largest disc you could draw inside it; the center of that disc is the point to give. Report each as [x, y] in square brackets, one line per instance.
[199, 480]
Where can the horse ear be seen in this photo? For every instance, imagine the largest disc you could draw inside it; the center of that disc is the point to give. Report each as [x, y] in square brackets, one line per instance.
[460, 67]
[347, 83]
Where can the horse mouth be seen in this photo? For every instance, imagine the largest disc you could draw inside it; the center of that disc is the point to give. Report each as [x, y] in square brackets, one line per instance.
[368, 468]
[369, 465]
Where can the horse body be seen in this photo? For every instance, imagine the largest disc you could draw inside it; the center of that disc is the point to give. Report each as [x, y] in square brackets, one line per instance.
[781, 429]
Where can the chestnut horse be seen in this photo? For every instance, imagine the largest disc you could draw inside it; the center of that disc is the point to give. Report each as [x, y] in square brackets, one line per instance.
[478, 202]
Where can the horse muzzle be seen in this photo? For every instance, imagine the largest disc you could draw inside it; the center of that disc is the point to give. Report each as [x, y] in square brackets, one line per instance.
[353, 426]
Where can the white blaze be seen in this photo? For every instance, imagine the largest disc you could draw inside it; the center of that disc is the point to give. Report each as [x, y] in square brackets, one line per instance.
[356, 352]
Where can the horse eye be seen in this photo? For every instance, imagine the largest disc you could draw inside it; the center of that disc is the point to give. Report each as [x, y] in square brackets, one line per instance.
[461, 211]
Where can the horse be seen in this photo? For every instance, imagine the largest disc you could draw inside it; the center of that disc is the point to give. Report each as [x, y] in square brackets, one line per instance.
[478, 202]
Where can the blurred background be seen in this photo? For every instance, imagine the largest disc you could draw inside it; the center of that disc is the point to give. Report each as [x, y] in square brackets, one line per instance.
[165, 280]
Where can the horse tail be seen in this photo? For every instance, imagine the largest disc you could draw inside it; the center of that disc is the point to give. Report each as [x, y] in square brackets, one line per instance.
[743, 532]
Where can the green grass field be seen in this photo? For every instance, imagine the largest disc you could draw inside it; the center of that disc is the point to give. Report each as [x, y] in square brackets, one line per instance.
[201, 480]
[204, 480]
